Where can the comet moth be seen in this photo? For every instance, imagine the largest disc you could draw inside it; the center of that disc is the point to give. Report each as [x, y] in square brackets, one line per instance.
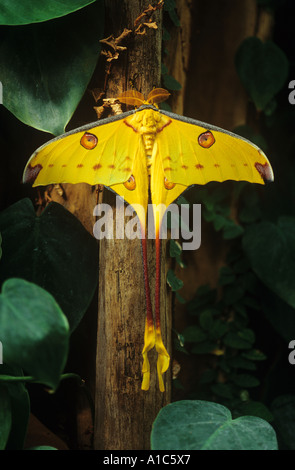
[142, 152]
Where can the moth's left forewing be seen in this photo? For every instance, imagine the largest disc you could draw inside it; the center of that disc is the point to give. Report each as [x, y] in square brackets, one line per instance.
[195, 152]
[99, 153]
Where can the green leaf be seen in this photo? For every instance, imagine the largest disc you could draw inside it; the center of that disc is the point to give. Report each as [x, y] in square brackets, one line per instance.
[165, 106]
[202, 425]
[244, 380]
[175, 251]
[13, 12]
[20, 407]
[254, 355]
[241, 265]
[54, 251]
[242, 339]
[169, 5]
[232, 293]
[218, 329]
[34, 331]
[164, 69]
[222, 390]
[284, 323]
[46, 67]
[204, 298]
[262, 68]
[206, 320]
[173, 281]
[205, 347]
[165, 36]
[175, 248]
[181, 200]
[42, 448]
[219, 222]
[232, 230]
[271, 250]
[170, 83]
[180, 298]
[283, 410]
[193, 334]
[239, 362]
[174, 18]
[248, 215]
[226, 276]
[255, 408]
[5, 416]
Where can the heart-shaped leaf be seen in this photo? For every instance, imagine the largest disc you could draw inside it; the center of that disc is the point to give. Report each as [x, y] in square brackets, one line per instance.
[54, 251]
[20, 407]
[14, 12]
[45, 67]
[262, 68]
[271, 250]
[283, 409]
[202, 425]
[34, 331]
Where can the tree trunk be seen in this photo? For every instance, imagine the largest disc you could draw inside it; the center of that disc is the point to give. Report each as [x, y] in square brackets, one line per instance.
[124, 413]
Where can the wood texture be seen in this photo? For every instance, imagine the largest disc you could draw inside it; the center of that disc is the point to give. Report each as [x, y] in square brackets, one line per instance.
[124, 413]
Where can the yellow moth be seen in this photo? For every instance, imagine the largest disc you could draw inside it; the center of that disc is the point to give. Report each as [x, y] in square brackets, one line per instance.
[148, 151]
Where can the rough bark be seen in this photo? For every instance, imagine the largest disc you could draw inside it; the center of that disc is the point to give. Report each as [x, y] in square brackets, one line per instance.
[124, 413]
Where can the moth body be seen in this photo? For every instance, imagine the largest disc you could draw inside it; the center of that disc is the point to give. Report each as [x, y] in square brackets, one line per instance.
[148, 122]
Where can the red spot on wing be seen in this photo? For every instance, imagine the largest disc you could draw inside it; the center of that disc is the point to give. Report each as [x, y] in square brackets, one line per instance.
[167, 158]
[130, 184]
[111, 166]
[80, 165]
[51, 165]
[199, 166]
[64, 165]
[97, 166]
[265, 171]
[206, 139]
[216, 165]
[88, 141]
[245, 164]
[126, 169]
[32, 172]
[168, 184]
[184, 167]
[168, 169]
